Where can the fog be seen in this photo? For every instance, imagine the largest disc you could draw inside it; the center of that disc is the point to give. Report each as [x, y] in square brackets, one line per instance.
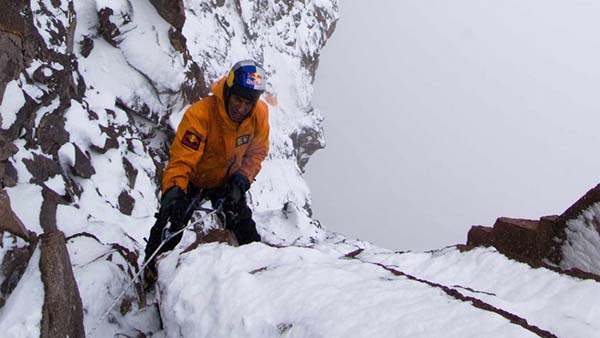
[440, 115]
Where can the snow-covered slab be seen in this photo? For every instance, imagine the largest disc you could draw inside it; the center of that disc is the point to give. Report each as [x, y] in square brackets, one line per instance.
[22, 314]
[260, 291]
[26, 201]
[102, 273]
[279, 182]
[563, 305]
[289, 225]
[581, 249]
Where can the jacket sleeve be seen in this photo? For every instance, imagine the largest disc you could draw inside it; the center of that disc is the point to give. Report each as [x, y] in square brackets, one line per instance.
[258, 148]
[186, 150]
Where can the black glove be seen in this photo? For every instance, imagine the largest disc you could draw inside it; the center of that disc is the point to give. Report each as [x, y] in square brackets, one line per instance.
[173, 205]
[237, 187]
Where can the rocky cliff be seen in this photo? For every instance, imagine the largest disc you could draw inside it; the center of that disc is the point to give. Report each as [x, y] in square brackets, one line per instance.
[91, 93]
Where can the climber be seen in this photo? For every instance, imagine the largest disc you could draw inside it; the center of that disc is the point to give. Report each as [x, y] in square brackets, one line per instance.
[217, 152]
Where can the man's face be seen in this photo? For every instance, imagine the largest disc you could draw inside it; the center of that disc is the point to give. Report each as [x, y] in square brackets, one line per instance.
[239, 108]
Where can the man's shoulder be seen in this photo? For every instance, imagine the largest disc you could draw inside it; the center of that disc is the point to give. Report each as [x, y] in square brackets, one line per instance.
[202, 107]
[261, 110]
[205, 103]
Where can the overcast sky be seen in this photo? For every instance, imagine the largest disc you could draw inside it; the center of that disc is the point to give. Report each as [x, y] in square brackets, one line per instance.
[445, 114]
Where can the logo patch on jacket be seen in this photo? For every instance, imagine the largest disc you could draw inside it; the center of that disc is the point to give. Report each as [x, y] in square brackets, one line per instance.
[244, 139]
[191, 140]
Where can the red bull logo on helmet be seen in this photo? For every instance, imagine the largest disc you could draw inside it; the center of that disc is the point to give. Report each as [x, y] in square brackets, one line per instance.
[255, 80]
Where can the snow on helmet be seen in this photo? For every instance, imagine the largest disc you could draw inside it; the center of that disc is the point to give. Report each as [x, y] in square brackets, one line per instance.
[246, 79]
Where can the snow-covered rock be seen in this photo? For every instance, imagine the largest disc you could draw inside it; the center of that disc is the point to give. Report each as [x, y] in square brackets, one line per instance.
[87, 105]
[261, 291]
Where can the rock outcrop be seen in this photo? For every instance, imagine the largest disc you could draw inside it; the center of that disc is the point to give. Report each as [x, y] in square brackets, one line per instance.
[62, 313]
[570, 241]
[521, 239]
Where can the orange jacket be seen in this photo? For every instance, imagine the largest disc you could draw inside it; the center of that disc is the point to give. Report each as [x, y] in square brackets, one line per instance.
[209, 147]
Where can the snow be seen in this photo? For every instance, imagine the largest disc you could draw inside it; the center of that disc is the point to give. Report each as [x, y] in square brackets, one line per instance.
[558, 303]
[22, 314]
[582, 248]
[95, 266]
[261, 291]
[176, 117]
[110, 76]
[83, 131]
[26, 202]
[283, 176]
[57, 184]
[164, 67]
[12, 101]
[66, 155]
[36, 91]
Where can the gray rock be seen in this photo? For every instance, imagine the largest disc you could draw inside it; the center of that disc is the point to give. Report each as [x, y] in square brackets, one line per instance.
[83, 166]
[62, 312]
[126, 203]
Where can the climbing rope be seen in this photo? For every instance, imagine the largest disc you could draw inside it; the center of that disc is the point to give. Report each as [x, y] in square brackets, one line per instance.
[167, 236]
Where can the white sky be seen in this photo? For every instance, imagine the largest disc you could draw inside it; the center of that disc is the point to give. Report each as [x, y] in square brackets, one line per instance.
[445, 114]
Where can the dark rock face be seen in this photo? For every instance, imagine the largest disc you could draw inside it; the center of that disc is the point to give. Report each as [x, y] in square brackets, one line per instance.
[12, 35]
[50, 203]
[130, 172]
[214, 236]
[306, 142]
[8, 173]
[521, 239]
[109, 29]
[83, 166]
[126, 203]
[11, 59]
[172, 11]
[62, 313]
[194, 87]
[86, 46]
[51, 133]
[41, 168]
